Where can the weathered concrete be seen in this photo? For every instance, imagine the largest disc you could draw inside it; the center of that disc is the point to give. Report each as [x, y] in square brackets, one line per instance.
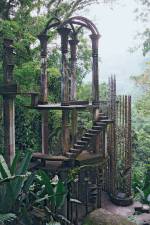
[104, 217]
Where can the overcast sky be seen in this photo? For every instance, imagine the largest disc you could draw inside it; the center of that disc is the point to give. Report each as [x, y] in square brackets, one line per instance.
[118, 28]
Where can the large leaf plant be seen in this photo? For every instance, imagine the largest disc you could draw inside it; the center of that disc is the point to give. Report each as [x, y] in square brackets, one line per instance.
[29, 198]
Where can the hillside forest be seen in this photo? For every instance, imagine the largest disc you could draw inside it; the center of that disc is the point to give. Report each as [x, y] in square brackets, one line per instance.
[22, 21]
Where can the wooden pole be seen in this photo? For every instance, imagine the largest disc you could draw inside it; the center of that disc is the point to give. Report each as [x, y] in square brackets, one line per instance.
[8, 101]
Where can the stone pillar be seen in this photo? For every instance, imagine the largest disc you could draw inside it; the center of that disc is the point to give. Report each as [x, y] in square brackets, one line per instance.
[128, 150]
[95, 85]
[64, 33]
[95, 74]
[44, 91]
[73, 48]
[9, 101]
[106, 142]
[99, 185]
[73, 93]
[43, 79]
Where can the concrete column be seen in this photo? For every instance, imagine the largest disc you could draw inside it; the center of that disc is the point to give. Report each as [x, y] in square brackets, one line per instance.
[44, 91]
[74, 115]
[95, 84]
[64, 33]
[9, 101]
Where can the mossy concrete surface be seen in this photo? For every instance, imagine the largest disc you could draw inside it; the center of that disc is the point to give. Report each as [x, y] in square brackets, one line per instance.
[104, 217]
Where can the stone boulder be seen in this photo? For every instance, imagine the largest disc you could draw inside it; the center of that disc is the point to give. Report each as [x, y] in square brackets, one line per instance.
[103, 217]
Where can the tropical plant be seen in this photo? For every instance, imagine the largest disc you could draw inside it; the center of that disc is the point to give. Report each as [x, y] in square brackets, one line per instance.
[141, 137]
[7, 217]
[141, 183]
[24, 195]
[11, 181]
[143, 196]
[51, 196]
[55, 189]
[138, 178]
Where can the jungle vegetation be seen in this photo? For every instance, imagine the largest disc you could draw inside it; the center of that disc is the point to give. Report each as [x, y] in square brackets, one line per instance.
[22, 20]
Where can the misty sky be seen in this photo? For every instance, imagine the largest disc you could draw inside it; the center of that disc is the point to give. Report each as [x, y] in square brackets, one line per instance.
[118, 28]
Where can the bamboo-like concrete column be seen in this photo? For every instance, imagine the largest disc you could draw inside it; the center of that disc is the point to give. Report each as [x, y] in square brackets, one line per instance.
[129, 191]
[106, 142]
[73, 93]
[128, 150]
[113, 157]
[9, 89]
[95, 84]
[99, 185]
[73, 49]
[95, 72]
[44, 91]
[64, 33]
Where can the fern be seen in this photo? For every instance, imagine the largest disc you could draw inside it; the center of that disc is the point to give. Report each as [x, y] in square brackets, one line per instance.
[7, 217]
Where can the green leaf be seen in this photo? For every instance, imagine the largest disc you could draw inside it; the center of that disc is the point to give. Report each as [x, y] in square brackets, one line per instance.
[53, 223]
[8, 217]
[17, 184]
[24, 165]
[48, 186]
[141, 193]
[148, 198]
[75, 201]
[28, 182]
[8, 179]
[62, 218]
[60, 194]
[14, 163]
[4, 170]
[46, 197]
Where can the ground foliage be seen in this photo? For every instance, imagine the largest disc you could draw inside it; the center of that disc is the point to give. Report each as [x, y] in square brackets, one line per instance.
[141, 109]
[23, 20]
[29, 198]
[141, 138]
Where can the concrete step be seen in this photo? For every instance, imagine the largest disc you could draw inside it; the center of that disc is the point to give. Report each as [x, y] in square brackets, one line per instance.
[86, 138]
[89, 135]
[93, 131]
[97, 127]
[82, 142]
[103, 117]
[107, 121]
[102, 124]
[77, 146]
[93, 192]
[101, 114]
[76, 151]
[92, 187]
[71, 155]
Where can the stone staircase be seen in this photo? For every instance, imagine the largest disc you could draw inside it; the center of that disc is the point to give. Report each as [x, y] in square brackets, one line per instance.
[98, 126]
